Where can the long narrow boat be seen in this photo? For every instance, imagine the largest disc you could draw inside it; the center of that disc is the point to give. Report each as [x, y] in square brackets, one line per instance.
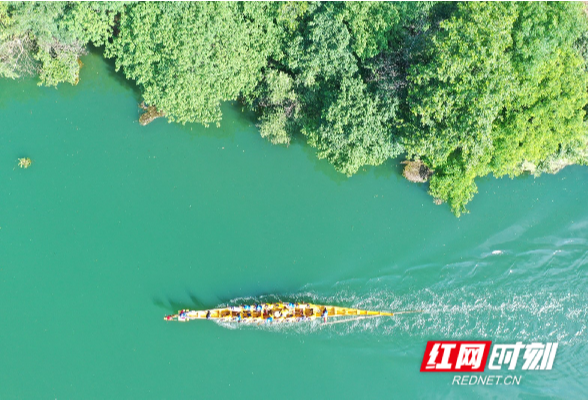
[276, 312]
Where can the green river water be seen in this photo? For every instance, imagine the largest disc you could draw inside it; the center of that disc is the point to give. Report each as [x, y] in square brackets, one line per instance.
[116, 225]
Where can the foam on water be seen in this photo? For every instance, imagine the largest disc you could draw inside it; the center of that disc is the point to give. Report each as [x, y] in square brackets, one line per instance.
[460, 314]
[535, 294]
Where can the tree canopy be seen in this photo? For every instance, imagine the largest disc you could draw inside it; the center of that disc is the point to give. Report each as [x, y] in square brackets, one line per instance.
[501, 85]
[189, 57]
[48, 38]
[467, 89]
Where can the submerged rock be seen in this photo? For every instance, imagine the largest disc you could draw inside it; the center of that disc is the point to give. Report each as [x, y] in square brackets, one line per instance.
[150, 114]
[550, 166]
[416, 171]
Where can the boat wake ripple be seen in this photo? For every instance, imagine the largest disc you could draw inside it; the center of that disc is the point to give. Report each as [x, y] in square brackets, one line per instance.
[457, 314]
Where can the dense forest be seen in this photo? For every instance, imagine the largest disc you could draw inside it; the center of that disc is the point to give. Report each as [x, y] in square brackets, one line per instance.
[460, 90]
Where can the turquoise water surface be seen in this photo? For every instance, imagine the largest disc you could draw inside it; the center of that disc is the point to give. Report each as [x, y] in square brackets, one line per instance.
[116, 225]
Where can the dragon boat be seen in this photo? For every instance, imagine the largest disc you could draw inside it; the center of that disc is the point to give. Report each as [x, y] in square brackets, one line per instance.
[279, 312]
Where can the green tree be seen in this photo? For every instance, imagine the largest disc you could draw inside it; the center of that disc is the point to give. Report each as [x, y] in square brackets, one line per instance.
[370, 25]
[48, 38]
[190, 57]
[279, 104]
[501, 85]
[468, 88]
[323, 93]
[354, 130]
[546, 111]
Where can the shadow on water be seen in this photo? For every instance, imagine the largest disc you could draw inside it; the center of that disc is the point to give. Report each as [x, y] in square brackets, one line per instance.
[173, 305]
[117, 76]
[235, 118]
[161, 304]
[322, 166]
[195, 129]
[385, 170]
[233, 299]
[23, 90]
[395, 165]
[195, 303]
[27, 89]
[249, 116]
